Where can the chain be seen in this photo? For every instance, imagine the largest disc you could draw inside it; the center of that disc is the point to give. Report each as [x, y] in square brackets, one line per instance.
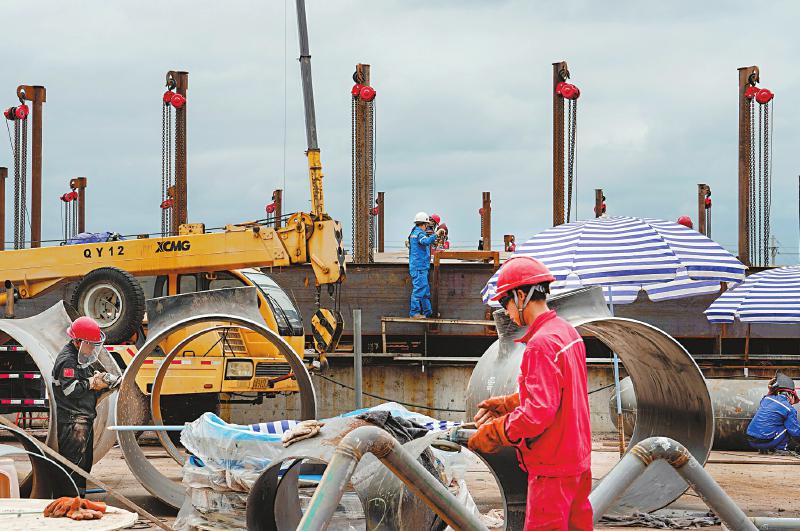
[17, 244]
[708, 222]
[170, 175]
[572, 127]
[751, 226]
[23, 195]
[180, 148]
[163, 167]
[354, 165]
[767, 185]
[370, 137]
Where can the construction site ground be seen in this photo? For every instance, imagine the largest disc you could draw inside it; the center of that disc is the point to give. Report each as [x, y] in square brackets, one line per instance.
[760, 485]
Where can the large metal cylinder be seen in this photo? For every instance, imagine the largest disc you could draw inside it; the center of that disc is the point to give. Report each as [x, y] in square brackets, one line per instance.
[734, 401]
[674, 400]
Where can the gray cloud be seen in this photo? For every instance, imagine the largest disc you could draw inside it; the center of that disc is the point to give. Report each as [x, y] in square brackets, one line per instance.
[463, 105]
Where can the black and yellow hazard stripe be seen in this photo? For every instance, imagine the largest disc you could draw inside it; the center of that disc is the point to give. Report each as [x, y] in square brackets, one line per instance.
[326, 328]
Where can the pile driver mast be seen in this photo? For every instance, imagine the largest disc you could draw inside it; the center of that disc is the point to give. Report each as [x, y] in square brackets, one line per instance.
[565, 97]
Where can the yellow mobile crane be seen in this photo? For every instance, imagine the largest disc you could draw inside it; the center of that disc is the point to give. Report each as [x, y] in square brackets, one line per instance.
[111, 277]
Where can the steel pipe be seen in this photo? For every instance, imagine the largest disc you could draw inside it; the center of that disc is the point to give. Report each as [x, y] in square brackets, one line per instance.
[674, 399]
[371, 439]
[388, 504]
[768, 524]
[653, 451]
[167, 315]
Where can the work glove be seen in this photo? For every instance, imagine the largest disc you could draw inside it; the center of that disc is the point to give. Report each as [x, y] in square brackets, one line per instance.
[97, 382]
[304, 430]
[490, 437]
[494, 407]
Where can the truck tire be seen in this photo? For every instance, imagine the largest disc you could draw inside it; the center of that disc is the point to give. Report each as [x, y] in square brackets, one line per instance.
[113, 298]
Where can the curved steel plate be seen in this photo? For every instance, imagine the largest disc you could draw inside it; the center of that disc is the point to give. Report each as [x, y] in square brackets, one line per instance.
[675, 400]
[237, 306]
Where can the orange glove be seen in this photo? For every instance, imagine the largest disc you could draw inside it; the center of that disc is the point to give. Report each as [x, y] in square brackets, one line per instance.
[490, 437]
[494, 407]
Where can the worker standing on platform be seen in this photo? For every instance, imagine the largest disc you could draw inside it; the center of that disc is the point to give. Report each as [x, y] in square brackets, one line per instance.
[775, 427]
[76, 387]
[419, 262]
[547, 420]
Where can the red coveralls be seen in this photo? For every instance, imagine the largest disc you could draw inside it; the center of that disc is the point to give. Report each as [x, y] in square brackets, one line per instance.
[552, 426]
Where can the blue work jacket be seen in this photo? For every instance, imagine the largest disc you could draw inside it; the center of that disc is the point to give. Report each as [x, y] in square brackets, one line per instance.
[419, 249]
[774, 417]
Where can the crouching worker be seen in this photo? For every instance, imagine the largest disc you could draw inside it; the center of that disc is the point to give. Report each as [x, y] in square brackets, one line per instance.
[548, 419]
[775, 427]
[76, 387]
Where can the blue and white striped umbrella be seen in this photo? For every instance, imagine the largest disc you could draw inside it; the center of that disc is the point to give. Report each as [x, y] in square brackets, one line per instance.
[629, 254]
[771, 296]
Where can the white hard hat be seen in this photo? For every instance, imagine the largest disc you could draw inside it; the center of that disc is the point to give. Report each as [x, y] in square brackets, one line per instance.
[422, 217]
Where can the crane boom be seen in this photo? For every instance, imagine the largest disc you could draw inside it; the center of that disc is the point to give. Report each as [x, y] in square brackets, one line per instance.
[314, 160]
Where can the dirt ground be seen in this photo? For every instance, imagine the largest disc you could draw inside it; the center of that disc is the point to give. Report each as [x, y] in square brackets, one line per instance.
[761, 485]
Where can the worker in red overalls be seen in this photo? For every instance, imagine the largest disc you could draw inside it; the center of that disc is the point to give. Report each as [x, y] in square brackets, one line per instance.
[548, 419]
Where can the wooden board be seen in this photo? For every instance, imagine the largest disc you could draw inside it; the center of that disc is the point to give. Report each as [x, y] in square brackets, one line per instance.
[30, 517]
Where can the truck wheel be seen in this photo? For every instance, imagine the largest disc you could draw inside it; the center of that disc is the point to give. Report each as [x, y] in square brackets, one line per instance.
[113, 298]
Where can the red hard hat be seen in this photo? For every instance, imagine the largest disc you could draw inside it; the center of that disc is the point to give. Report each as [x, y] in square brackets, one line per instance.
[178, 101]
[356, 90]
[521, 271]
[86, 329]
[750, 92]
[443, 226]
[764, 96]
[368, 94]
[686, 221]
[436, 218]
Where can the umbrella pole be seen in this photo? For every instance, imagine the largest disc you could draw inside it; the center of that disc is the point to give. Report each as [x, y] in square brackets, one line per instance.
[617, 392]
[747, 350]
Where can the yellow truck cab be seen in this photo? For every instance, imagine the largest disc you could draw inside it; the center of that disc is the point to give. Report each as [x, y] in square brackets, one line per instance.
[229, 361]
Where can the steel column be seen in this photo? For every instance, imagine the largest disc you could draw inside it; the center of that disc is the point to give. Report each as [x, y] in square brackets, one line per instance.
[560, 74]
[362, 193]
[381, 217]
[37, 95]
[277, 198]
[3, 177]
[79, 184]
[701, 208]
[747, 75]
[486, 221]
[598, 202]
[357, 376]
[180, 209]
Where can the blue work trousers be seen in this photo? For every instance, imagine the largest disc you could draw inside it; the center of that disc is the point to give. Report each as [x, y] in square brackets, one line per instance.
[420, 293]
[779, 443]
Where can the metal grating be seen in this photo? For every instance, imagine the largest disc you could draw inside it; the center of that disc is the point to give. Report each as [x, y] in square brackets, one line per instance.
[272, 369]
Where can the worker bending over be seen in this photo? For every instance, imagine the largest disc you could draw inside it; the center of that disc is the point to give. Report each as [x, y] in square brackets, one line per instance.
[419, 261]
[76, 386]
[775, 427]
[547, 420]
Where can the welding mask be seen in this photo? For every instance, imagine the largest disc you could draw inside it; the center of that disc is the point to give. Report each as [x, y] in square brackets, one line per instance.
[88, 352]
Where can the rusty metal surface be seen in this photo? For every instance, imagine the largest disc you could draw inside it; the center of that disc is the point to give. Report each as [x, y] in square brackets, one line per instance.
[746, 75]
[168, 315]
[673, 395]
[735, 402]
[273, 503]
[560, 73]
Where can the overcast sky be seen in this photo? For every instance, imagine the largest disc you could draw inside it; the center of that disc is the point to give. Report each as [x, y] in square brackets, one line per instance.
[463, 106]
